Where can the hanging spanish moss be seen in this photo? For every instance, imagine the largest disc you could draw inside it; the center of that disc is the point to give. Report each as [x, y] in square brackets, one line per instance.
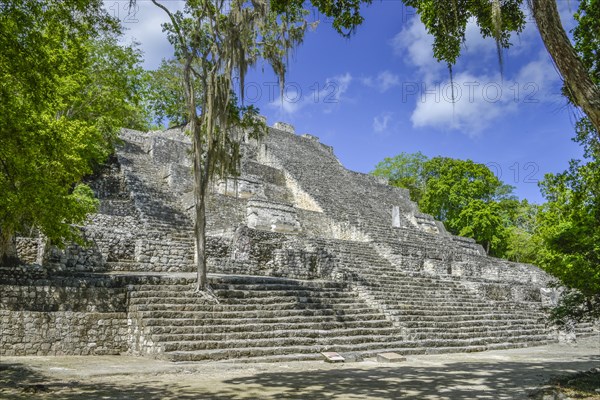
[497, 32]
[225, 38]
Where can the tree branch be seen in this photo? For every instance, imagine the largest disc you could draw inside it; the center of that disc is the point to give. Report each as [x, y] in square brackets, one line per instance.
[584, 92]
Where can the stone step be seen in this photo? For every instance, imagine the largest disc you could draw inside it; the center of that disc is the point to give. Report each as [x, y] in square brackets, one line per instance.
[398, 281]
[293, 305]
[454, 311]
[493, 326]
[432, 297]
[251, 335]
[223, 294]
[265, 326]
[507, 332]
[367, 349]
[450, 304]
[461, 318]
[291, 285]
[237, 301]
[152, 321]
[259, 314]
[449, 324]
[236, 287]
[282, 342]
[413, 294]
[361, 341]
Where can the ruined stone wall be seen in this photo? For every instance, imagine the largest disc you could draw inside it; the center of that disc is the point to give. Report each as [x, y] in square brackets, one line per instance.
[264, 253]
[27, 249]
[62, 316]
[28, 333]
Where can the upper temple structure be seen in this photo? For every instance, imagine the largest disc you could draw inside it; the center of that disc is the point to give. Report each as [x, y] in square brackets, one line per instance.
[304, 256]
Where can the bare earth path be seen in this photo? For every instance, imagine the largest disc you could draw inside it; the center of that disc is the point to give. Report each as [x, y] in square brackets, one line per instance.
[507, 374]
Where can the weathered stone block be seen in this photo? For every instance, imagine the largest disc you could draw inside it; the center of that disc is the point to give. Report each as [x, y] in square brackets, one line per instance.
[282, 126]
[274, 217]
[390, 357]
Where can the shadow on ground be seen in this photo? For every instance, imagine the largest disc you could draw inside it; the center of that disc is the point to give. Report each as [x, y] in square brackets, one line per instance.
[453, 381]
[480, 380]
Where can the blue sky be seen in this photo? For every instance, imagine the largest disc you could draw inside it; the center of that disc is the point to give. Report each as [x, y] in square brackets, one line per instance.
[381, 93]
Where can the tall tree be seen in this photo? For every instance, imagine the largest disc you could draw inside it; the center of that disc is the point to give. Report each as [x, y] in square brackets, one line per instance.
[569, 223]
[224, 39]
[451, 184]
[466, 196]
[569, 228]
[62, 100]
[580, 85]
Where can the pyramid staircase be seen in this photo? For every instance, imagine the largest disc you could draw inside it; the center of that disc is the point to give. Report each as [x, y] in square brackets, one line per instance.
[382, 306]
[434, 308]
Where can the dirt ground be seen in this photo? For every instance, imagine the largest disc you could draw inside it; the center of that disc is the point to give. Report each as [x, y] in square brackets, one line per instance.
[507, 374]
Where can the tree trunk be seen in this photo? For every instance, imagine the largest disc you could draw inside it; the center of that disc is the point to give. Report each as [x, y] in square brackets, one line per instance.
[200, 186]
[200, 178]
[200, 170]
[584, 92]
[8, 248]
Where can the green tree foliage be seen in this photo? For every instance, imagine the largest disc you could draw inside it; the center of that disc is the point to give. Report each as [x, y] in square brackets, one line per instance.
[483, 221]
[586, 36]
[463, 195]
[110, 87]
[520, 220]
[451, 184]
[569, 227]
[65, 89]
[466, 196]
[165, 94]
[405, 170]
[447, 22]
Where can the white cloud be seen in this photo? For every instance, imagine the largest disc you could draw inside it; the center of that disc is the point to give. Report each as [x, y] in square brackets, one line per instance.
[542, 79]
[415, 46]
[475, 42]
[481, 97]
[381, 122]
[143, 24]
[566, 9]
[479, 100]
[328, 95]
[383, 82]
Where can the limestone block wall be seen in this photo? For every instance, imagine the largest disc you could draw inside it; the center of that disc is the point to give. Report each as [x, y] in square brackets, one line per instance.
[264, 253]
[166, 150]
[27, 249]
[28, 333]
[179, 177]
[66, 316]
[224, 213]
[164, 255]
[318, 224]
[271, 216]
[497, 270]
